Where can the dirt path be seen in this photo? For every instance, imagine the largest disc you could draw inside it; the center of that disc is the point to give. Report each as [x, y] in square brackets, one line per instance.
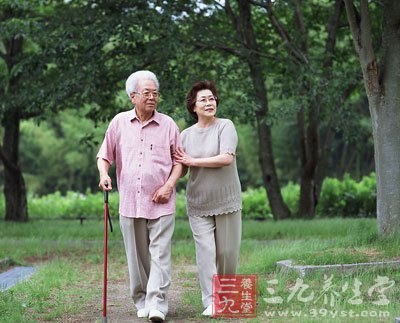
[120, 307]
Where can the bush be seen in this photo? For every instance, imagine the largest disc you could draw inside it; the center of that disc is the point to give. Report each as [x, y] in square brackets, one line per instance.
[255, 204]
[71, 206]
[181, 204]
[346, 198]
[291, 196]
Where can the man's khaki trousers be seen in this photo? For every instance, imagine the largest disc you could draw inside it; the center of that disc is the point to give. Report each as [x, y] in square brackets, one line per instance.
[148, 251]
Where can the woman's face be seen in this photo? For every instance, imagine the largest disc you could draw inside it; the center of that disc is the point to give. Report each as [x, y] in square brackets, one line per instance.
[206, 104]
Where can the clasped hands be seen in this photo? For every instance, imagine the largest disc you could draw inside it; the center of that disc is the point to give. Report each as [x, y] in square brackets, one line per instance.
[163, 194]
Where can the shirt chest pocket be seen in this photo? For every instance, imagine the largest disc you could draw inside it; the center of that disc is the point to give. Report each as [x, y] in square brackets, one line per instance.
[160, 155]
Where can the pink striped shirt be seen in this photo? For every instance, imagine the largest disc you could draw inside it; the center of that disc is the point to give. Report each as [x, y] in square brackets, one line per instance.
[143, 157]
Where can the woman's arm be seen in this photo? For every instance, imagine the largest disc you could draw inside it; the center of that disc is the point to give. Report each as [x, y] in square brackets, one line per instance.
[211, 162]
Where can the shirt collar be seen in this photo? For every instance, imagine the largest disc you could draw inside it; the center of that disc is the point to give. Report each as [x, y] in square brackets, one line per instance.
[156, 116]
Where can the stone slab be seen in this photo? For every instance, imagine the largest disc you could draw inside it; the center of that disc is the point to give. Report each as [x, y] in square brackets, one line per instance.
[305, 270]
[14, 276]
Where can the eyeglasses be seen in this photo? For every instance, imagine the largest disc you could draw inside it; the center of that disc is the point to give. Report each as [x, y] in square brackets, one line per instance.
[148, 94]
[203, 101]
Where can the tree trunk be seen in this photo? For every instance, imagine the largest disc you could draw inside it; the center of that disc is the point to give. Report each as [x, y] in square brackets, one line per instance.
[382, 87]
[310, 181]
[386, 124]
[309, 157]
[321, 171]
[14, 184]
[266, 157]
[309, 131]
[270, 179]
[387, 160]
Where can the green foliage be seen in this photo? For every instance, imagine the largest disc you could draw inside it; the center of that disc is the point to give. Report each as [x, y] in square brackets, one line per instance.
[94, 48]
[346, 198]
[181, 204]
[60, 154]
[291, 196]
[76, 54]
[247, 162]
[72, 205]
[255, 204]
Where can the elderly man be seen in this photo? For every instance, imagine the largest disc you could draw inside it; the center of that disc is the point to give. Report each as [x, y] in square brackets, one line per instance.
[141, 142]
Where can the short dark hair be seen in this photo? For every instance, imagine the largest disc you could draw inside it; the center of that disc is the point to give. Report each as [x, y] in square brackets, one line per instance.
[192, 95]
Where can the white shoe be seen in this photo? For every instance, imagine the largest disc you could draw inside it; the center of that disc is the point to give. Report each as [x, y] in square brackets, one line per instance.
[156, 316]
[208, 311]
[143, 312]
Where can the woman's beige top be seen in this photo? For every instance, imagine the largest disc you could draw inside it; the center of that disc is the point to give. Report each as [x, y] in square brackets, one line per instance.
[212, 191]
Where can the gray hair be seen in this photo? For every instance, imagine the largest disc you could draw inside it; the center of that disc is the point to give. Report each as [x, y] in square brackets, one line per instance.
[134, 78]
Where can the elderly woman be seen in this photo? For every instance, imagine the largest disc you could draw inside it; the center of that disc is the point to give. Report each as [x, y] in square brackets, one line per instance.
[213, 190]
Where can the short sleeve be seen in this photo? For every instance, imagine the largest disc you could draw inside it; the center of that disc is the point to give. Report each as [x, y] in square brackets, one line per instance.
[107, 149]
[228, 139]
[183, 138]
[175, 142]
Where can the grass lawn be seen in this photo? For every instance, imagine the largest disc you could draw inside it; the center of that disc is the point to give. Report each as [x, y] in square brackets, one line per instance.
[70, 256]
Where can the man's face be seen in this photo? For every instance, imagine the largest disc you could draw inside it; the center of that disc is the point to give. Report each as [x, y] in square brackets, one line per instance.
[142, 104]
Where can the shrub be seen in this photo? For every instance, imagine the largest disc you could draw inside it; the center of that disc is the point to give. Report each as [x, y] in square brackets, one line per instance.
[181, 204]
[291, 196]
[72, 205]
[255, 204]
[346, 198]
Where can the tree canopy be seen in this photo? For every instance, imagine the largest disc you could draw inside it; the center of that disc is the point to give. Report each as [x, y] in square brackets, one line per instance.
[286, 73]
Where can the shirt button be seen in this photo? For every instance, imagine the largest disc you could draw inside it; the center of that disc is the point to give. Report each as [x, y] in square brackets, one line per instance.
[140, 165]
[141, 139]
[141, 153]
[138, 191]
[138, 178]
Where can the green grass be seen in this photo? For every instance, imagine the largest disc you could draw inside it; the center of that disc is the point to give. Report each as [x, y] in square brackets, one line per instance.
[342, 285]
[71, 255]
[305, 229]
[50, 293]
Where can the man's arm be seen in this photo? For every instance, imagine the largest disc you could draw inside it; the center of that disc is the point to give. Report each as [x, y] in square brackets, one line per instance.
[163, 194]
[184, 170]
[103, 166]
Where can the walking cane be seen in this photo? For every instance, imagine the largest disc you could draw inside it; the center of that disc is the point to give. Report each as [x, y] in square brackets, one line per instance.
[107, 220]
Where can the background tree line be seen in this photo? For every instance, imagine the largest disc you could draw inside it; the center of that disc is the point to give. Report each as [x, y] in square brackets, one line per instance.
[58, 154]
[287, 73]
